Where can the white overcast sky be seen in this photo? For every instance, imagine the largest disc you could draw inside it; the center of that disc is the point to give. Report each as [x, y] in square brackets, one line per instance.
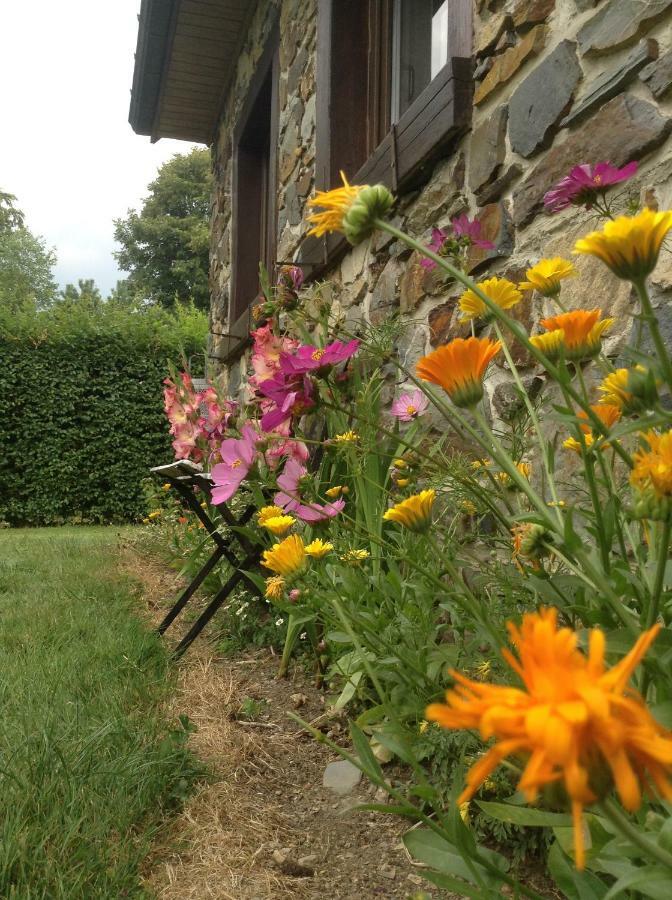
[66, 149]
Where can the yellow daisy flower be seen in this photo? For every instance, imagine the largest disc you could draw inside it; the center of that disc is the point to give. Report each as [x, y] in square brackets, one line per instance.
[154, 514]
[287, 558]
[551, 344]
[348, 437]
[414, 513]
[502, 292]
[269, 512]
[319, 548]
[582, 331]
[353, 557]
[468, 507]
[336, 491]
[279, 525]
[546, 276]
[629, 245]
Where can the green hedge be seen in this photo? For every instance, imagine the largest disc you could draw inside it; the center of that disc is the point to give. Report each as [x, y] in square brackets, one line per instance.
[81, 408]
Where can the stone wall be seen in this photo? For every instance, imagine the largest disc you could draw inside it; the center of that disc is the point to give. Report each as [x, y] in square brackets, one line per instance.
[557, 82]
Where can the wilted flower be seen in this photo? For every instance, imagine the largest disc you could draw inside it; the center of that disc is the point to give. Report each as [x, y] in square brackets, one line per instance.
[585, 183]
[629, 245]
[574, 721]
[459, 368]
[546, 276]
[503, 294]
[275, 587]
[410, 406]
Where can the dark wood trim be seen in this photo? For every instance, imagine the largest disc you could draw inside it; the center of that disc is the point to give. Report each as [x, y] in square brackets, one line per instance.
[267, 69]
[165, 65]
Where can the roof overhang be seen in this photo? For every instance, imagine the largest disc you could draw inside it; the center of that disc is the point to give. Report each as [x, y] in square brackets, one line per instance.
[184, 58]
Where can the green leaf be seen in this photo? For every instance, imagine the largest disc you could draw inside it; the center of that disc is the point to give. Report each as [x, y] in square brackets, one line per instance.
[430, 848]
[365, 755]
[523, 815]
[574, 884]
[651, 881]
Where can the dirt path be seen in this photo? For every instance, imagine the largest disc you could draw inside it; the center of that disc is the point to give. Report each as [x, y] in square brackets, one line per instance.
[264, 826]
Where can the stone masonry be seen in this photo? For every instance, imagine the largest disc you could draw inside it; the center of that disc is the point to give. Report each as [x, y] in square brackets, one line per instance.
[557, 82]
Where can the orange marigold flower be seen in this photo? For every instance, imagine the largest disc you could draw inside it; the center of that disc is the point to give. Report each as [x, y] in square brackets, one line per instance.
[651, 476]
[459, 368]
[574, 723]
[582, 332]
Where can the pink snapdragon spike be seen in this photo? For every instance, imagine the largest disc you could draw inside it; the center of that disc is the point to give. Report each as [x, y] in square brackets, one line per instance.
[296, 276]
[238, 456]
[309, 359]
[292, 397]
[584, 183]
[186, 434]
[266, 353]
[410, 406]
[289, 498]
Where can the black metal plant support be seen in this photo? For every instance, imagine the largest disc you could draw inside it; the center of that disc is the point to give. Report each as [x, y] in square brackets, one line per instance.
[185, 478]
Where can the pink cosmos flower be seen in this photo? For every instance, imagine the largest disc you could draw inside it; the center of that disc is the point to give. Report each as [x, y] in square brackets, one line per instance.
[292, 397]
[238, 456]
[465, 227]
[410, 406]
[584, 183]
[439, 238]
[308, 358]
[289, 498]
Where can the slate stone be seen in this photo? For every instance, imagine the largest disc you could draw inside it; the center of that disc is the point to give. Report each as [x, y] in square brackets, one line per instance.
[385, 295]
[489, 33]
[531, 12]
[496, 227]
[506, 65]
[495, 190]
[483, 68]
[488, 149]
[507, 399]
[611, 83]
[618, 23]
[341, 777]
[658, 75]
[508, 39]
[626, 128]
[292, 205]
[538, 104]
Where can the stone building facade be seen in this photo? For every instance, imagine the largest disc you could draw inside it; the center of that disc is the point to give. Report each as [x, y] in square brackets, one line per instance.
[554, 83]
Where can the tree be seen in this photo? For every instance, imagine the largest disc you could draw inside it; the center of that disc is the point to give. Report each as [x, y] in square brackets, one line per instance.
[85, 292]
[26, 263]
[10, 217]
[165, 247]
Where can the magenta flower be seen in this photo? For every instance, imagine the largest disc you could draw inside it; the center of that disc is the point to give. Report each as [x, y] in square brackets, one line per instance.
[238, 456]
[410, 406]
[439, 238]
[465, 227]
[292, 397]
[308, 358]
[584, 183]
[289, 498]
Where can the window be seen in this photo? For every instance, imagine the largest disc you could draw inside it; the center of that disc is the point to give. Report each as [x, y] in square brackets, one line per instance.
[254, 189]
[394, 90]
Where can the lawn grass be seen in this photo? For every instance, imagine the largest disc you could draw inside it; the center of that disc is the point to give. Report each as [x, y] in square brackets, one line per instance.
[88, 764]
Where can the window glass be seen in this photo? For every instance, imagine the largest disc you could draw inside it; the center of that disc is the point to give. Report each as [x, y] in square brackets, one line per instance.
[420, 49]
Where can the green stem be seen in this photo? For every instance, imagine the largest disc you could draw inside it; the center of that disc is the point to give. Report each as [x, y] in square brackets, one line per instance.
[533, 416]
[649, 317]
[613, 812]
[654, 605]
[513, 326]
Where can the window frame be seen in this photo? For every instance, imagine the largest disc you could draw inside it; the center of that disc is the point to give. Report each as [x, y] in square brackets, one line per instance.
[401, 155]
[267, 68]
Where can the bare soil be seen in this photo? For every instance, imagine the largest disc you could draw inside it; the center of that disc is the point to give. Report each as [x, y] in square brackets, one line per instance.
[263, 826]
